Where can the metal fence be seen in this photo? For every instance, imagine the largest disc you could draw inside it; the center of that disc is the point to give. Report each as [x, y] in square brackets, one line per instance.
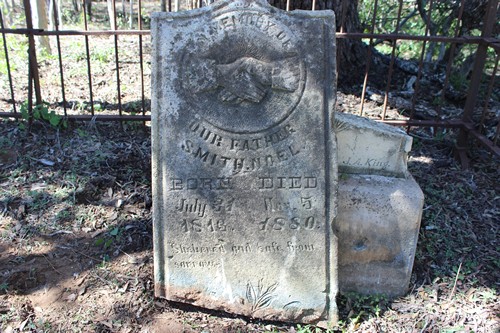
[26, 86]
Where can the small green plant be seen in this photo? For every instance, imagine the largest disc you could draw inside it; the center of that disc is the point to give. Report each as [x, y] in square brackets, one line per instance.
[39, 200]
[108, 240]
[71, 17]
[98, 107]
[459, 81]
[101, 54]
[343, 176]
[82, 133]
[364, 306]
[63, 215]
[41, 112]
[17, 52]
[105, 260]
[4, 286]
[310, 329]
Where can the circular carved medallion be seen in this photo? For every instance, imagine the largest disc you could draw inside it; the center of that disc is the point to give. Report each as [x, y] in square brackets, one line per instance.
[244, 73]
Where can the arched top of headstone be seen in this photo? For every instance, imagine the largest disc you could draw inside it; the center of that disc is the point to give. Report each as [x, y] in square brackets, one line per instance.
[242, 62]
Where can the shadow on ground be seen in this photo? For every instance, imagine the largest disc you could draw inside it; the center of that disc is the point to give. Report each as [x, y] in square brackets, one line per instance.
[76, 250]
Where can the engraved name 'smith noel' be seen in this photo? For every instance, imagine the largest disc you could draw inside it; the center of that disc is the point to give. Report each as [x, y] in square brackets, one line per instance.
[244, 160]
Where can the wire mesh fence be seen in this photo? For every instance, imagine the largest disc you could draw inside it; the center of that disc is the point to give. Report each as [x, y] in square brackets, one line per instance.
[411, 63]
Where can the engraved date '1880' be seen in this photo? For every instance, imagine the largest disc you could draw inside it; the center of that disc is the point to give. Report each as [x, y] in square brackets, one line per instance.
[286, 223]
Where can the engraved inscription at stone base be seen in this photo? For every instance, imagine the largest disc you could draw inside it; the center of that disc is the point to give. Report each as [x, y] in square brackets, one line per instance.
[244, 161]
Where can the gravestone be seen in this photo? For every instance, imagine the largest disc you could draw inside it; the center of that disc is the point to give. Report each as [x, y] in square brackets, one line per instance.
[368, 147]
[244, 160]
[379, 207]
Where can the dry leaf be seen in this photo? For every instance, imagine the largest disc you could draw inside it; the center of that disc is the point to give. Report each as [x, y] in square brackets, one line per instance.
[23, 324]
[80, 280]
[124, 288]
[38, 186]
[134, 260]
[82, 290]
[46, 162]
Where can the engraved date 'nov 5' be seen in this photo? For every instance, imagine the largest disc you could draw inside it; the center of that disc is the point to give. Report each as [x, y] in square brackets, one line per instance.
[279, 205]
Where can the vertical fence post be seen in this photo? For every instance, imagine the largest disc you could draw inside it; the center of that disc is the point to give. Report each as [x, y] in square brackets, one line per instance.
[55, 17]
[141, 58]
[475, 82]
[87, 50]
[117, 60]
[368, 57]
[6, 51]
[33, 63]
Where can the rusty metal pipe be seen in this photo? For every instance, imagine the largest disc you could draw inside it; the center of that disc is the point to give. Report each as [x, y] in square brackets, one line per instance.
[89, 71]
[59, 53]
[368, 56]
[9, 74]
[391, 65]
[33, 63]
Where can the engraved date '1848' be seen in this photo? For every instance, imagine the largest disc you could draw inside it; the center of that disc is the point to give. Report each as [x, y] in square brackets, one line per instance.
[201, 225]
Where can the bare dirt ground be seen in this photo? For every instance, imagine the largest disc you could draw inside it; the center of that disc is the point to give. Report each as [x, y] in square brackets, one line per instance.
[76, 247]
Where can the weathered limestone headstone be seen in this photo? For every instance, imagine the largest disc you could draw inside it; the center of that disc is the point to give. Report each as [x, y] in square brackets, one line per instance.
[244, 160]
[368, 147]
[379, 209]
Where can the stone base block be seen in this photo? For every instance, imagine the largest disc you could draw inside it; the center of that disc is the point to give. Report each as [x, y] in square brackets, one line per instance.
[377, 227]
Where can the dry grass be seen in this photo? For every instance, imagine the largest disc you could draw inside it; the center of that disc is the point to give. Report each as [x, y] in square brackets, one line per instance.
[76, 253]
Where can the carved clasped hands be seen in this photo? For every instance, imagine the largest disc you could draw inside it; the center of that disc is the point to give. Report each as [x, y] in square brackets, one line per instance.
[245, 79]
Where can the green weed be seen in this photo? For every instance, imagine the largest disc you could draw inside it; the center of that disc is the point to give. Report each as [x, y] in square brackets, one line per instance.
[364, 306]
[42, 113]
[459, 81]
[107, 241]
[102, 54]
[4, 286]
[311, 329]
[17, 51]
[63, 215]
[39, 200]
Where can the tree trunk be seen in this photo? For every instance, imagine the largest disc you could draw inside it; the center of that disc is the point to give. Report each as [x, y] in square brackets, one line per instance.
[131, 15]
[351, 53]
[111, 14]
[88, 8]
[76, 6]
[39, 14]
[52, 16]
[8, 10]
[59, 13]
